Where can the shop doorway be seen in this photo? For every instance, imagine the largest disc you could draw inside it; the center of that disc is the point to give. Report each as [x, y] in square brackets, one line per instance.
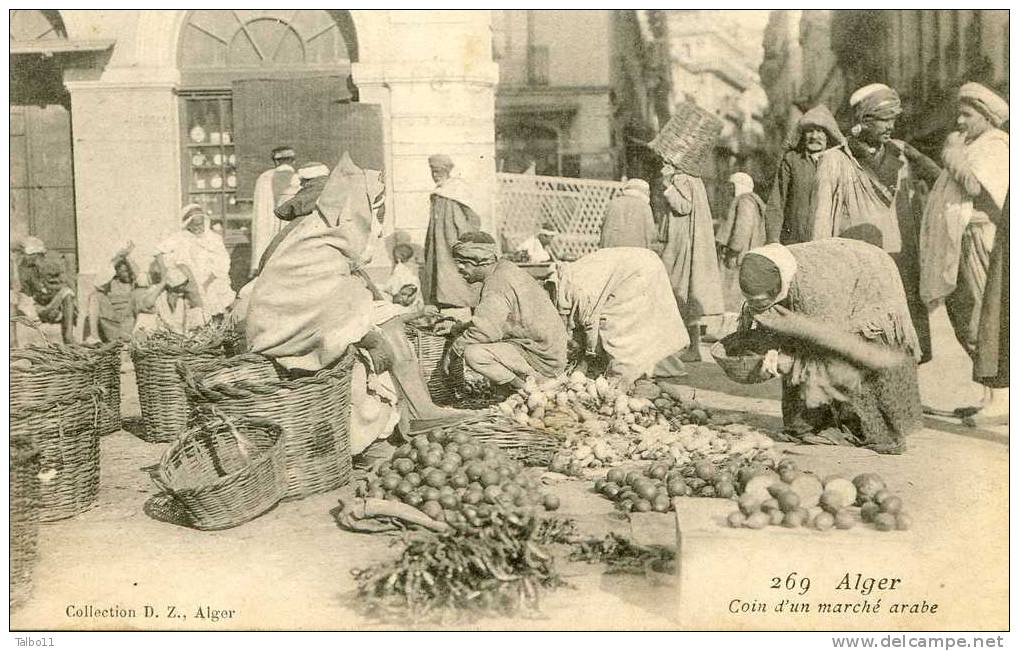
[253, 80]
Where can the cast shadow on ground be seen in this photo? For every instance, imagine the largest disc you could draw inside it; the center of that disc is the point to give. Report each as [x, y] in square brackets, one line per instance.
[961, 429]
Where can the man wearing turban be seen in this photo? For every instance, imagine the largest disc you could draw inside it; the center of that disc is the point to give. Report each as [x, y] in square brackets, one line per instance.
[452, 214]
[870, 189]
[960, 221]
[273, 187]
[741, 230]
[516, 332]
[628, 218]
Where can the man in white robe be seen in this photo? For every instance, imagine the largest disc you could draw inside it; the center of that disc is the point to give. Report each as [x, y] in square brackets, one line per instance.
[273, 187]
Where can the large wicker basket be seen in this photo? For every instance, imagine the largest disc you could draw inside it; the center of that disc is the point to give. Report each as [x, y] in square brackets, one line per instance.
[41, 374]
[105, 361]
[65, 434]
[314, 412]
[160, 391]
[224, 472]
[688, 138]
[24, 513]
[429, 349]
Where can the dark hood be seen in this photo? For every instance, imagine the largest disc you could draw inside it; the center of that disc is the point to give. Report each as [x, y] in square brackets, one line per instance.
[819, 116]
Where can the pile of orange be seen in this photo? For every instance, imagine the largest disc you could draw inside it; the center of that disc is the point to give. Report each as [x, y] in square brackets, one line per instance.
[453, 478]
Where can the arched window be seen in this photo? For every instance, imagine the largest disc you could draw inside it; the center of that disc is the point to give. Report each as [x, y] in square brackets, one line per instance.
[36, 25]
[239, 42]
[309, 50]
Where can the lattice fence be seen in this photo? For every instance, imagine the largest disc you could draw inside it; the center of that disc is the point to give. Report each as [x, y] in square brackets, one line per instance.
[576, 207]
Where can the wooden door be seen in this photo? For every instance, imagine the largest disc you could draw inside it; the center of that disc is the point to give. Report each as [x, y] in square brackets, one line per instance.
[42, 179]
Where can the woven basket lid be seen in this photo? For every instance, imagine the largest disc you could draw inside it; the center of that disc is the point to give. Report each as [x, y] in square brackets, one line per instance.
[687, 139]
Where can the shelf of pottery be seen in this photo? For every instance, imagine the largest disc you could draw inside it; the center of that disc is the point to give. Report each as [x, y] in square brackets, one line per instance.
[213, 161]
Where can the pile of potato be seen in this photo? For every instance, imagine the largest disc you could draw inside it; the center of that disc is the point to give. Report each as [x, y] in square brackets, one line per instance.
[601, 425]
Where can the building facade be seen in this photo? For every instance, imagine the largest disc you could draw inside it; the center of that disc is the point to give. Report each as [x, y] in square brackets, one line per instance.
[580, 92]
[127, 115]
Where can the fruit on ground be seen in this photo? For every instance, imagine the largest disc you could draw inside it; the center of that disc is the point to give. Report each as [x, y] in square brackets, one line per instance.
[794, 518]
[736, 519]
[843, 488]
[758, 520]
[884, 521]
[903, 521]
[551, 502]
[788, 501]
[891, 504]
[869, 511]
[824, 521]
[867, 485]
[809, 488]
[844, 519]
[777, 517]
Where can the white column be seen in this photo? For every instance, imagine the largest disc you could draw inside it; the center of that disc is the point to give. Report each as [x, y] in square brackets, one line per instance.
[126, 167]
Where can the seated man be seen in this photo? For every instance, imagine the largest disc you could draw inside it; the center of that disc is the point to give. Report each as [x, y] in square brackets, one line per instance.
[52, 300]
[111, 309]
[516, 331]
[537, 246]
[173, 303]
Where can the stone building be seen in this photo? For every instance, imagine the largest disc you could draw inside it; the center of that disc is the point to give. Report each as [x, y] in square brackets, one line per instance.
[580, 92]
[120, 117]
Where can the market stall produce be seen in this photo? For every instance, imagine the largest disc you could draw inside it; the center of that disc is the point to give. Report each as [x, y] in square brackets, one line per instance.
[792, 498]
[600, 424]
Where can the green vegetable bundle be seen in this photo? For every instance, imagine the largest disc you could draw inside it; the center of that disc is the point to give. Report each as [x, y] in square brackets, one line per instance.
[491, 571]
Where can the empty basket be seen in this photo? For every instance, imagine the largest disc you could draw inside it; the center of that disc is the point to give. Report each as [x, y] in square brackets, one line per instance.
[223, 473]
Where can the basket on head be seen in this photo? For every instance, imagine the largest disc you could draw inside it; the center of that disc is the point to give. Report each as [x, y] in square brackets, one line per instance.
[224, 472]
[743, 367]
[161, 394]
[530, 446]
[313, 410]
[65, 434]
[24, 513]
[429, 349]
[688, 138]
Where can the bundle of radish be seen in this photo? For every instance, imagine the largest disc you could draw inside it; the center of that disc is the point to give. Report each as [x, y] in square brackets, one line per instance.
[454, 479]
[791, 498]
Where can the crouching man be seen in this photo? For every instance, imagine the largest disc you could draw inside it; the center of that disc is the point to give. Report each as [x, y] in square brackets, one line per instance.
[516, 331]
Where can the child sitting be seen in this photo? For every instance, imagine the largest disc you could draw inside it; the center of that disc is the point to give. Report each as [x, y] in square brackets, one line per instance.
[404, 284]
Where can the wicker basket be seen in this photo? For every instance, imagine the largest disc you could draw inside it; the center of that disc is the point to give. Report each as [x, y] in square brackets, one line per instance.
[744, 368]
[24, 523]
[160, 390]
[429, 349]
[314, 412]
[688, 138]
[530, 446]
[65, 433]
[106, 359]
[223, 473]
[41, 374]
